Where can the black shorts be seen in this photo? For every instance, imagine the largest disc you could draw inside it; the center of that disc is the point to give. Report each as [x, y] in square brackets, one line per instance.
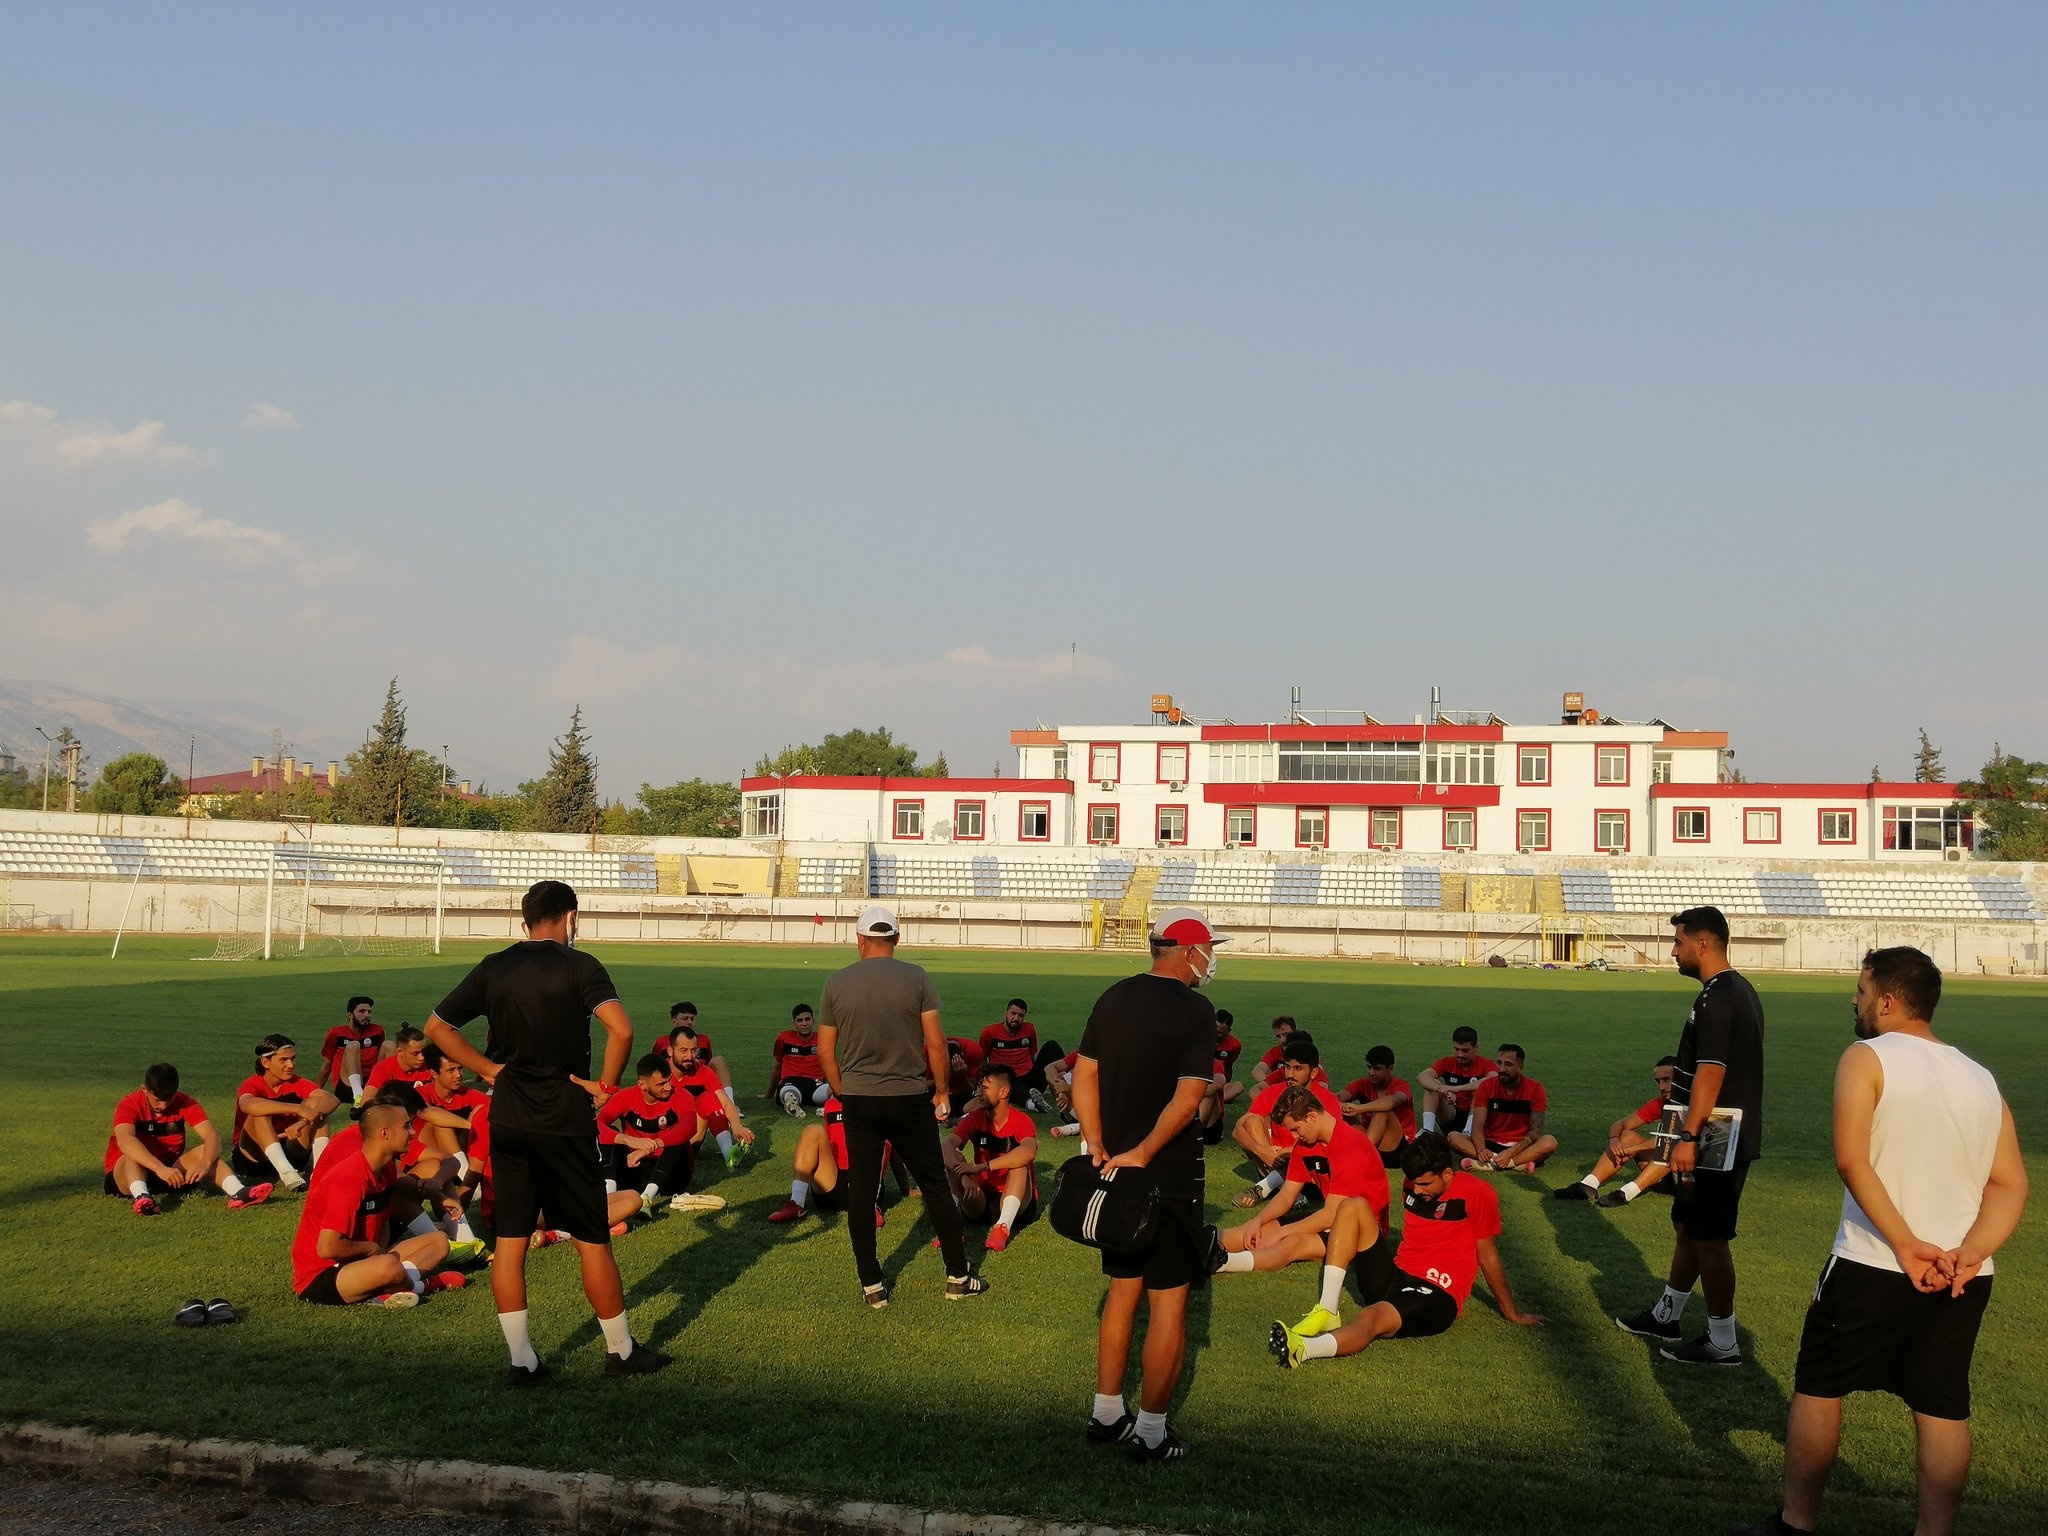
[992, 1207]
[1392, 1158]
[1425, 1308]
[533, 1171]
[1456, 1120]
[323, 1289]
[1178, 1255]
[248, 1163]
[806, 1087]
[833, 1199]
[1706, 1208]
[1868, 1330]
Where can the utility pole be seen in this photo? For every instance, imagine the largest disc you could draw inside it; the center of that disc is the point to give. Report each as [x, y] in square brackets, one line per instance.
[47, 740]
[72, 748]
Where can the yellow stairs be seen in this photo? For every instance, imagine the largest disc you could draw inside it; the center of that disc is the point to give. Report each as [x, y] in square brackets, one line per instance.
[1125, 927]
[785, 876]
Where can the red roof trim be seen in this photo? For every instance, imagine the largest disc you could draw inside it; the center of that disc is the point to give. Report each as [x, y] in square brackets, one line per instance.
[1040, 787]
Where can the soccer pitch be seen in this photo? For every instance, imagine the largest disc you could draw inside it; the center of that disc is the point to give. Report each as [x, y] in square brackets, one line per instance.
[784, 1381]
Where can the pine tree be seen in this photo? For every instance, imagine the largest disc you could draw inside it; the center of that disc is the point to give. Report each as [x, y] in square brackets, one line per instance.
[1927, 767]
[375, 794]
[1876, 775]
[565, 798]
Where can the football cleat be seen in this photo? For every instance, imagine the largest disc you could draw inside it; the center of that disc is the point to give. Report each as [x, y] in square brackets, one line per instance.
[1701, 1351]
[1286, 1347]
[1644, 1325]
[145, 1205]
[998, 1238]
[466, 1252]
[965, 1286]
[252, 1194]
[1170, 1448]
[1118, 1433]
[446, 1280]
[1611, 1200]
[786, 1213]
[644, 1361]
[1319, 1320]
[1572, 1192]
[876, 1296]
[396, 1301]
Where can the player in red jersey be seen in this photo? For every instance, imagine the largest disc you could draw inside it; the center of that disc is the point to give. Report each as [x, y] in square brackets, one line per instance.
[148, 1152]
[1059, 1083]
[280, 1117]
[648, 1135]
[713, 1096]
[1507, 1121]
[1267, 1143]
[799, 1080]
[1000, 1182]
[1627, 1145]
[1269, 1062]
[350, 1050]
[1221, 1089]
[1448, 1224]
[1324, 1154]
[339, 1255]
[685, 1014]
[963, 1064]
[1382, 1105]
[1013, 1041]
[407, 1062]
[1447, 1083]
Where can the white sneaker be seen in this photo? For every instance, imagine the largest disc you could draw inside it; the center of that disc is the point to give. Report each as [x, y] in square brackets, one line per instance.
[687, 1201]
[792, 1103]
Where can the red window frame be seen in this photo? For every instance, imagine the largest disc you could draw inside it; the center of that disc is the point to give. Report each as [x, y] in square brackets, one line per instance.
[1159, 762]
[1250, 810]
[1549, 828]
[1116, 811]
[1820, 825]
[1444, 832]
[1707, 815]
[1400, 824]
[1115, 746]
[1301, 811]
[1548, 749]
[1024, 808]
[1628, 764]
[1158, 829]
[1777, 815]
[1627, 826]
[979, 837]
[898, 837]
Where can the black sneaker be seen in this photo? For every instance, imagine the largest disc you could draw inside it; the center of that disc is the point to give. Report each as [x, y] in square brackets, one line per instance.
[1170, 1448]
[1701, 1351]
[519, 1377]
[1644, 1325]
[876, 1296]
[1612, 1200]
[1123, 1429]
[1214, 1255]
[963, 1287]
[1572, 1192]
[644, 1361]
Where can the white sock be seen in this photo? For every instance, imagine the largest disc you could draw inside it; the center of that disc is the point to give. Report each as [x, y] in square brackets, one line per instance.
[412, 1276]
[139, 1190]
[1012, 1204]
[649, 1195]
[355, 1084]
[611, 1186]
[1109, 1407]
[725, 1142]
[517, 1344]
[462, 1165]
[1590, 1182]
[799, 1193]
[1721, 1331]
[421, 1225]
[319, 1146]
[1151, 1427]
[1270, 1184]
[618, 1338]
[283, 1164]
[1322, 1347]
[1333, 1286]
[1429, 1119]
[1630, 1190]
[820, 1094]
[463, 1234]
[1671, 1305]
[1239, 1263]
[232, 1187]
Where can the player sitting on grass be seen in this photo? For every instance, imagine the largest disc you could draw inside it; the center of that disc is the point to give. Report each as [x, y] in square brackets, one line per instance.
[1627, 1145]
[1334, 1159]
[339, 1256]
[799, 1080]
[818, 1170]
[999, 1182]
[963, 1071]
[425, 1192]
[407, 1062]
[1012, 1041]
[685, 1014]
[147, 1153]
[1059, 1083]
[1221, 1089]
[447, 1089]
[1301, 1066]
[1381, 1105]
[648, 1136]
[1507, 1121]
[350, 1050]
[712, 1095]
[1448, 1082]
[1448, 1224]
[280, 1117]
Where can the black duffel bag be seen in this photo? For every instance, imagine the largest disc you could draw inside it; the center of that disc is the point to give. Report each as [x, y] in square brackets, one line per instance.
[1115, 1209]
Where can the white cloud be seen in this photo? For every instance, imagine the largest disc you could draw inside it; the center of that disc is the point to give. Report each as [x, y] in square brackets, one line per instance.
[599, 669]
[82, 444]
[263, 416]
[242, 544]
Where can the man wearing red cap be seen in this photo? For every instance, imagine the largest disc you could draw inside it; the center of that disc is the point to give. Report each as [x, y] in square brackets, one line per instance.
[1144, 1063]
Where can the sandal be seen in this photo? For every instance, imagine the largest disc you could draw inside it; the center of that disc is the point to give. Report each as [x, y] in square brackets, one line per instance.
[191, 1315]
[218, 1311]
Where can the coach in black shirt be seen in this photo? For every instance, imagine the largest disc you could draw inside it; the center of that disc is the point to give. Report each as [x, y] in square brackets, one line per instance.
[1145, 1059]
[538, 998]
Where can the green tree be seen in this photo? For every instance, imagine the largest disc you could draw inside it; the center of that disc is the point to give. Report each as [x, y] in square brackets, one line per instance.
[938, 768]
[487, 813]
[693, 808]
[377, 784]
[564, 799]
[851, 754]
[2009, 800]
[1927, 767]
[136, 784]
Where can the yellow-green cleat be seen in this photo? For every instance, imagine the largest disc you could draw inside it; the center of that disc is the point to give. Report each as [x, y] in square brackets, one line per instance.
[1319, 1320]
[1286, 1347]
[462, 1255]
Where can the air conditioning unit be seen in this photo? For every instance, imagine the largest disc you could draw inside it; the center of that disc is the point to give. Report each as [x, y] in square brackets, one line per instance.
[1178, 786]
[1384, 847]
[1953, 855]
[1105, 842]
[1105, 785]
[1315, 847]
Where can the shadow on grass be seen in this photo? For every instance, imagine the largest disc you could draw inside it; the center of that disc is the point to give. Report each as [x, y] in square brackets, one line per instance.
[68, 1184]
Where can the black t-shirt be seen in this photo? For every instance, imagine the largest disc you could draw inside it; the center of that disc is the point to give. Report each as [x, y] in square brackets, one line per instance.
[1726, 1025]
[538, 997]
[1148, 1035]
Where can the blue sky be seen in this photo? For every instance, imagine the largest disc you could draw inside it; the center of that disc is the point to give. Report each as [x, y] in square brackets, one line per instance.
[748, 374]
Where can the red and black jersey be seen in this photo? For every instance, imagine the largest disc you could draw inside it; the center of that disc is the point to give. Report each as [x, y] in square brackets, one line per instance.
[462, 1102]
[1652, 1110]
[1440, 1238]
[368, 1040]
[671, 1121]
[161, 1132]
[1016, 1048]
[346, 1197]
[703, 1086]
[796, 1057]
[389, 1071]
[297, 1091]
[1508, 1109]
[990, 1141]
[663, 1048]
[970, 1052]
[835, 1130]
[1228, 1049]
[1361, 1091]
[1067, 1061]
[1346, 1165]
[1272, 1058]
[1263, 1102]
[1452, 1075]
[480, 1138]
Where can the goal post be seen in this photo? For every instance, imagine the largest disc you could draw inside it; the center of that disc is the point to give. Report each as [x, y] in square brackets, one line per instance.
[325, 900]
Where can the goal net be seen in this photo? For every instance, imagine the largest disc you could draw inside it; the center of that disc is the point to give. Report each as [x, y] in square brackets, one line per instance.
[319, 901]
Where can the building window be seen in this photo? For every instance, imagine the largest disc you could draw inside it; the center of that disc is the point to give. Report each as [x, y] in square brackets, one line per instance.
[1838, 826]
[1610, 765]
[1460, 762]
[1173, 764]
[1532, 765]
[909, 824]
[1242, 762]
[1101, 823]
[1105, 762]
[1312, 826]
[1034, 821]
[1386, 827]
[1610, 831]
[763, 816]
[1660, 767]
[1760, 826]
[1240, 826]
[1351, 762]
[1689, 824]
[1532, 828]
[1172, 825]
[967, 820]
[1928, 828]
[1461, 830]
[1059, 761]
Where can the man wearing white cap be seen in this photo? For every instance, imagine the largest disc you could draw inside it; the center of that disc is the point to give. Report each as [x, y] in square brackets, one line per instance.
[878, 1037]
[1144, 1063]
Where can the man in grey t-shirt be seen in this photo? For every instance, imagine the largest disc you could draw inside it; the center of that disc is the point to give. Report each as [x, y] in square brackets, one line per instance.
[878, 1036]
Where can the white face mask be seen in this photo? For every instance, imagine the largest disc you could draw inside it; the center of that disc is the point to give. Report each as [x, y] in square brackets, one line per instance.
[1203, 978]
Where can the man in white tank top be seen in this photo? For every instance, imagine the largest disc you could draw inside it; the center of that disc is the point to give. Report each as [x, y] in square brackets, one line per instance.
[1935, 1185]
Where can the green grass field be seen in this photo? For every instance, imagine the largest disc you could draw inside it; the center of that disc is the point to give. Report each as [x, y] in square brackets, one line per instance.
[785, 1382]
